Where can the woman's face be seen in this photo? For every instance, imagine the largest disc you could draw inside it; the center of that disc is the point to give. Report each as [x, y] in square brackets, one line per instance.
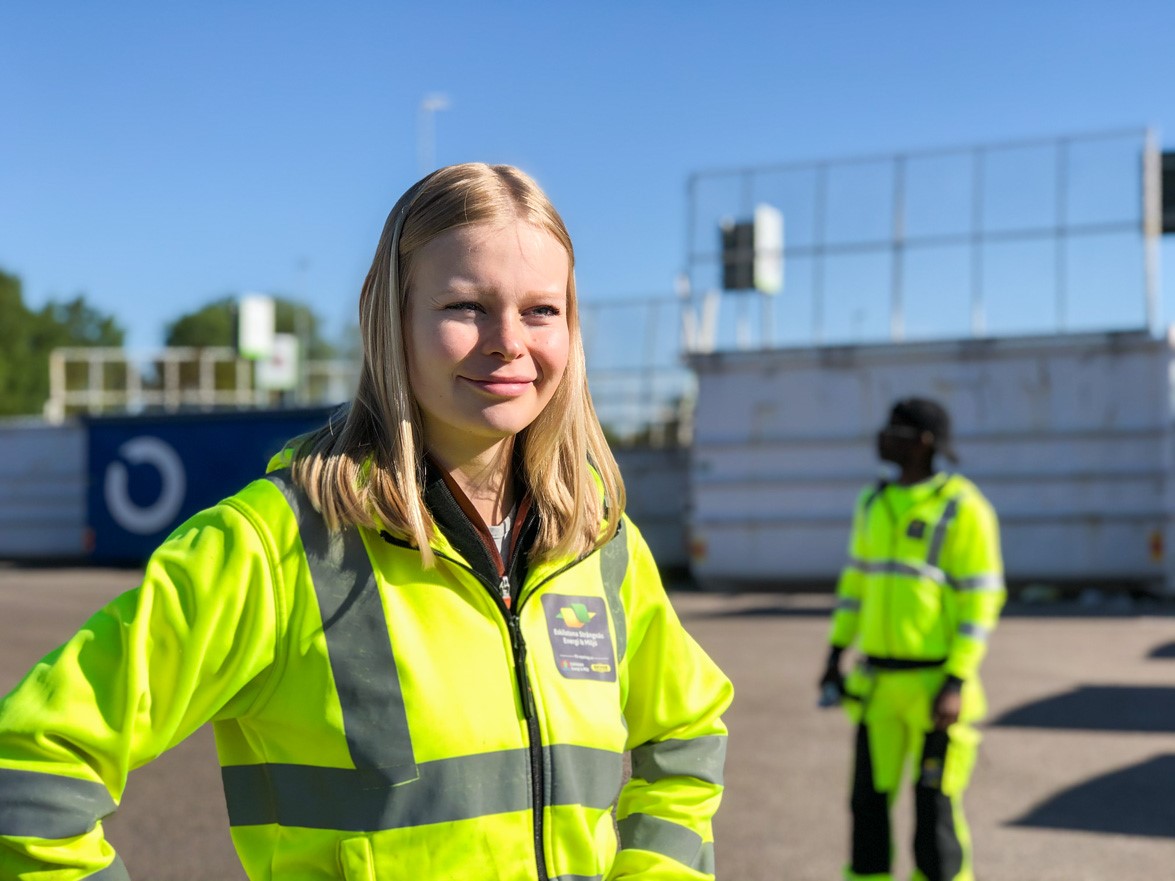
[487, 336]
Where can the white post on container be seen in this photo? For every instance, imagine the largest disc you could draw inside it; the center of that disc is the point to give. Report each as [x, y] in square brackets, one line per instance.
[978, 316]
[94, 374]
[1166, 546]
[821, 207]
[689, 318]
[134, 386]
[708, 330]
[1151, 225]
[897, 323]
[55, 406]
[426, 143]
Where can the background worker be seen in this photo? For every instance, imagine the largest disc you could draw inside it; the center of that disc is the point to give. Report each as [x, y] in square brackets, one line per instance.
[428, 638]
[919, 597]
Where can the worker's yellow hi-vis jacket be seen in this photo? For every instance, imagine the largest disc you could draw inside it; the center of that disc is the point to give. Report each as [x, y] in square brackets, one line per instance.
[924, 581]
[375, 719]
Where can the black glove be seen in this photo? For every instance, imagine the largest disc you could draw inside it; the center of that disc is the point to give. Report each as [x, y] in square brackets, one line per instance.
[832, 678]
[947, 703]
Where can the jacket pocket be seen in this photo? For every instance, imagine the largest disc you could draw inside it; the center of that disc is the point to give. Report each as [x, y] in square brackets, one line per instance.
[355, 859]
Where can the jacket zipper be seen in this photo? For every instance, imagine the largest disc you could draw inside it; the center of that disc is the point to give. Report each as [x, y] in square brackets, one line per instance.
[501, 595]
[890, 575]
[529, 712]
[537, 777]
[894, 538]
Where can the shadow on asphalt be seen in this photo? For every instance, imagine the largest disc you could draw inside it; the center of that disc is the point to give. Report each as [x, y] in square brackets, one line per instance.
[759, 612]
[1130, 801]
[1135, 708]
[822, 608]
[818, 603]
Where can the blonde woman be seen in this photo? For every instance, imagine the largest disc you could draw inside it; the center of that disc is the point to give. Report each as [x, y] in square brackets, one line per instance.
[428, 637]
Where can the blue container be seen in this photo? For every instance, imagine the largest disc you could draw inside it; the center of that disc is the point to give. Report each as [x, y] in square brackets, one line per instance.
[147, 474]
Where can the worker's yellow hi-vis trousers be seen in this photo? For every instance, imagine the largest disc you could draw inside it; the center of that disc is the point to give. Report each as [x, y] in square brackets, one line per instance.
[894, 716]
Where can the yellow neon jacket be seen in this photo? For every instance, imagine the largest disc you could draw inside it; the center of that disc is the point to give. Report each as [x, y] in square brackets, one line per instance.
[924, 580]
[375, 719]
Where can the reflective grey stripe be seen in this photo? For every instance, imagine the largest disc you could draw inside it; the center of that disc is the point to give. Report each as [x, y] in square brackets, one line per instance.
[49, 805]
[646, 832]
[845, 604]
[896, 567]
[706, 858]
[578, 878]
[116, 871]
[446, 790]
[613, 567]
[701, 757]
[357, 640]
[856, 563]
[979, 583]
[975, 631]
[580, 775]
[934, 550]
[367, 801]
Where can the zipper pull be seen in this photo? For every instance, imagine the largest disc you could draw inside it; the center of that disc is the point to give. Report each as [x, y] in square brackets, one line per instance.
[504, 591]
[519, 646]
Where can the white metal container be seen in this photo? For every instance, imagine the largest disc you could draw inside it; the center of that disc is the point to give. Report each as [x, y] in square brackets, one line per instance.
[1069, 436]
[42, 491]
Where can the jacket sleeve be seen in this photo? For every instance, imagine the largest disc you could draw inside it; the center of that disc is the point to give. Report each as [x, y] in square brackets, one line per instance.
[846, 611]
[673, 704]
[192, 643]
[975, 569]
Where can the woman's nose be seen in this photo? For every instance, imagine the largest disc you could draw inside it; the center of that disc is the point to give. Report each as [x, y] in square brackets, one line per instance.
[505, 340]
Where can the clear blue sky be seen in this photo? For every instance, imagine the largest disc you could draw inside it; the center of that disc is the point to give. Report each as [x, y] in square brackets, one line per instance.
[154, 156]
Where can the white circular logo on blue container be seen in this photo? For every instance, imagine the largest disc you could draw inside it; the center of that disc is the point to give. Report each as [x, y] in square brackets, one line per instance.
[144, 520]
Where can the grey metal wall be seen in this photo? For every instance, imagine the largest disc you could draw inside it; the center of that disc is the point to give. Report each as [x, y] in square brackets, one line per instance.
[1069, 436]
[43, 494]
[658, 493]
[42, 491]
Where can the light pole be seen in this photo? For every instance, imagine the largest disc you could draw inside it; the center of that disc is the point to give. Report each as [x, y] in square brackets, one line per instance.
[426, 146]
[302, 332]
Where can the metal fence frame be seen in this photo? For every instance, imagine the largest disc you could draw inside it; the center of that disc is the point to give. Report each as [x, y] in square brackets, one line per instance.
[152, 381]
[643, 389]
[899, 241]
[644, 396]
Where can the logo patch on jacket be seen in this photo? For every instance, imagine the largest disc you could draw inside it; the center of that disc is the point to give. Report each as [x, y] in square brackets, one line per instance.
[916, 529]
[580, 641]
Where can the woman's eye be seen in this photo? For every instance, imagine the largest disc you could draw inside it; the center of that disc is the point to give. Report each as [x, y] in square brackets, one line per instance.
[462, 306]
[546, 311]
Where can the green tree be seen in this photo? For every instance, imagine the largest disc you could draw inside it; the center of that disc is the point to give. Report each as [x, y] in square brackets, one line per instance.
[211, 325]
[215, 324]
[27, 337]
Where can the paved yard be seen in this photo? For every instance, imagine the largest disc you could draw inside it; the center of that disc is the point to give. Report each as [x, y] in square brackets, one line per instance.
[1076, 778]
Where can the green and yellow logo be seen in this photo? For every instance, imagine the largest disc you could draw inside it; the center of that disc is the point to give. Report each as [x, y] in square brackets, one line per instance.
[576, 615]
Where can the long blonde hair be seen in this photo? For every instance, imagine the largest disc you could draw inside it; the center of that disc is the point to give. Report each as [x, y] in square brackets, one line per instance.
[365, 467]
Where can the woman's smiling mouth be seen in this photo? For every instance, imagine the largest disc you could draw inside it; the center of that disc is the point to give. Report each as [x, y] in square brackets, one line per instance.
[502, 387]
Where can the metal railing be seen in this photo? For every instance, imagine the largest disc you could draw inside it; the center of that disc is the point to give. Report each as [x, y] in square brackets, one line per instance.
[871, 233]
[642, 391]
[97, 380]
[893, 209]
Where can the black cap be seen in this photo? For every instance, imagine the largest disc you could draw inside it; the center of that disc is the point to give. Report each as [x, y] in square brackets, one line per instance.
[929, 416]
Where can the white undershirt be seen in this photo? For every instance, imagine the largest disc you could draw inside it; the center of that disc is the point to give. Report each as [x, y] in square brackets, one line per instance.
[501, 533]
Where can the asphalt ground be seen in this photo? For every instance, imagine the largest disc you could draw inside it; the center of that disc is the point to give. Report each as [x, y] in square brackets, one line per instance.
[1075, 780]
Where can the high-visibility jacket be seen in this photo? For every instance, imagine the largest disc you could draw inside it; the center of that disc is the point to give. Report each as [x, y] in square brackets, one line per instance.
[924, 580]
[376, 719]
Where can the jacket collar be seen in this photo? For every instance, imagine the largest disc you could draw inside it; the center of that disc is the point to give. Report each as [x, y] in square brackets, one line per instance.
[458, 522]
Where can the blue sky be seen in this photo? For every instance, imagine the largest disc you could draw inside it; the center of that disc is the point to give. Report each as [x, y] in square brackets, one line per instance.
[155, 156]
